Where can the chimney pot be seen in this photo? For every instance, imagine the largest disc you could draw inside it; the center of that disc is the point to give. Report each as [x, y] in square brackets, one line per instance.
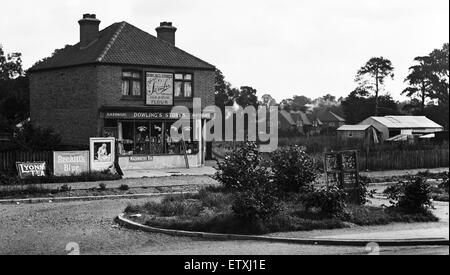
[89, 29]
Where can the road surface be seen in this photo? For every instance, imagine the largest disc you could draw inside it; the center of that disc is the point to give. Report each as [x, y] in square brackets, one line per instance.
[48, 228]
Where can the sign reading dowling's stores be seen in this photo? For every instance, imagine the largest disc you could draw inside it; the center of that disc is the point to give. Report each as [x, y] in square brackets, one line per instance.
[70, 163]
[159, 89]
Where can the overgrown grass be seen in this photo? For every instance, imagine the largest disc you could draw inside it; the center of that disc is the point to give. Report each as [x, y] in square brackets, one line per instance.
[210, 211]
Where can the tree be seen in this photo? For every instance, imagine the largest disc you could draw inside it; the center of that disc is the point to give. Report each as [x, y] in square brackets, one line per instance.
[10, 65]
[297, 103]
[377, 68]
[14, 90]
[421, 80]
[440, 67]
[268, 101]
[247, 97]
[359, 105]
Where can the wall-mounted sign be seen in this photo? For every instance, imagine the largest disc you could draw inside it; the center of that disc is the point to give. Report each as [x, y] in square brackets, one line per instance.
[140, 158]
[153, 115]
[70, 163]
[159, 89]
[31, 169]
[102, 153]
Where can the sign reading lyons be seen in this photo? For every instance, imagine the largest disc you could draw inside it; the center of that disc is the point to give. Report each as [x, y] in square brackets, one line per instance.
[70, 163]
[31, 169]
[159, 89]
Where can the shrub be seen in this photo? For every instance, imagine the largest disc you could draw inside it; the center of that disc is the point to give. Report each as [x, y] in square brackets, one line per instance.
[243, 172]
[364, 192]
[330, 201]
[413, 195]
[65, 188]
[256, 205]
[124, 187]
[102, 186]
[292, 169]
[444, 184]
[240, 168]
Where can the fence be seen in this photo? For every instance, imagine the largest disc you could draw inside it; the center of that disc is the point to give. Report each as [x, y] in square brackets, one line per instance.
[399, 160]
[8, 159]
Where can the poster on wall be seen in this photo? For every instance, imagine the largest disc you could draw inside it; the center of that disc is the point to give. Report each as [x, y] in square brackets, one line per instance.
[31, 169]
[70, 163]
[159, 89]
[102, 153]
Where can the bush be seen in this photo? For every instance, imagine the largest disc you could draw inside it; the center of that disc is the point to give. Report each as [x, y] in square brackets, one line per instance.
[330, 201]
[243, 172]
[65, 188]
[413, 196]
[38, 139]
[124, 187]
[240, 168]
[444, 184]
[292, 169]
[364, 192]
[102, 186]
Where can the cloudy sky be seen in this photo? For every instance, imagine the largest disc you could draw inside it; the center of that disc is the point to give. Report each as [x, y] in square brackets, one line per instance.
[281, 47]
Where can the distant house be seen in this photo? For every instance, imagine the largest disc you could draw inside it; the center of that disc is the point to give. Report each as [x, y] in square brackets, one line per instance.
[330, 121]
[366, 134]
[398, 128]
[296, 121]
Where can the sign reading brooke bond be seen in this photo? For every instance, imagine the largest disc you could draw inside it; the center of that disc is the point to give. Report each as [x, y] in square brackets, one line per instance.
[159, 89]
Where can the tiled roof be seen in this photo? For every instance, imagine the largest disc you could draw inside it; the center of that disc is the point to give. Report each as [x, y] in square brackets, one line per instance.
[329, 116]
[123, 43]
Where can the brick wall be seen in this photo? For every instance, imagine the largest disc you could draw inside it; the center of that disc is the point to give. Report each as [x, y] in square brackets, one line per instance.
[65, 101]
[68, 100]
[110, 86]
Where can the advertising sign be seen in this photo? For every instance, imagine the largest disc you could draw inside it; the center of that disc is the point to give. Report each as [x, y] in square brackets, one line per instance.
[70, 163]
[159, 89]
[31, 169]
[102, 153]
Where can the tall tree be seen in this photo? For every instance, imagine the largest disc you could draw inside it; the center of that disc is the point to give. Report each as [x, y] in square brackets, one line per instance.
[267, 100]
[440, 64]
[421, 80]
[10, 65]
[377, 68]
[14, 89]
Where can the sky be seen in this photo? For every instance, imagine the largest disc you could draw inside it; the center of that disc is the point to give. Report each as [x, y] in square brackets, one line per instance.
[279, 47]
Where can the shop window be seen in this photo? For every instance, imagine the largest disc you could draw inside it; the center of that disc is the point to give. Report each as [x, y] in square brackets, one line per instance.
[131, 84]
[154, 138]
[183, 86]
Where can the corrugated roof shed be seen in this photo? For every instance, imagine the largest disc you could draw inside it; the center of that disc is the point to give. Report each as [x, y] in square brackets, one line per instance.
[354, 127]
[402, 122]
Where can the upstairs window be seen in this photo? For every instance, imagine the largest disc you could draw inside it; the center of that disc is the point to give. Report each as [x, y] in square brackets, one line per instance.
[183, 86]
[131, 83]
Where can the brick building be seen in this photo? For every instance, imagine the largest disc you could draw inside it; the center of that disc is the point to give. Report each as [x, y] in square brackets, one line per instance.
[122, 82]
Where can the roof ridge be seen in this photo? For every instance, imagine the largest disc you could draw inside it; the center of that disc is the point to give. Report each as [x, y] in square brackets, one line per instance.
[171, 45]
[111, 41]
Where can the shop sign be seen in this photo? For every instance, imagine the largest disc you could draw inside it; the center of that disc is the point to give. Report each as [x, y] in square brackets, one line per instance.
[31, 169]
[159, 89]
[140, 158]
[153, 115]
[102, 153]
[70, 163]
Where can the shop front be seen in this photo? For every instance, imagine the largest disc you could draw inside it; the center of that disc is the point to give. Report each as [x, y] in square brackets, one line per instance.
[146, 140]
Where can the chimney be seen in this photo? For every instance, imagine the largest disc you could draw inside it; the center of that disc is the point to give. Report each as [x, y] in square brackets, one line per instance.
[166, 32]
[89, 29]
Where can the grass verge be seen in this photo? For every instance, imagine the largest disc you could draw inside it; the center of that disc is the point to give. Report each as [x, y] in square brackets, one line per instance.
[210, 211]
